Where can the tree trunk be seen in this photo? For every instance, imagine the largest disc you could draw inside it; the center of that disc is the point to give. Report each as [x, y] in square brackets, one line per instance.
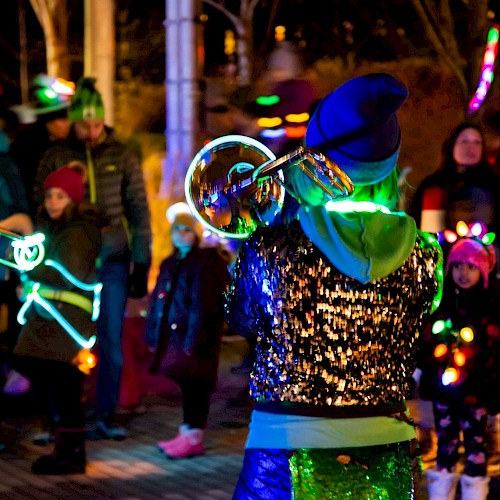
[23, 54]
[182, 95]
[99, 50]
[58, 58]
[243, 25]
[243, 48]
[52, 17]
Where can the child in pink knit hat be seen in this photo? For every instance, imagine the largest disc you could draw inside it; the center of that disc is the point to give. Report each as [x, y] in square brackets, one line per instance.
[469, 261]
[460, 369]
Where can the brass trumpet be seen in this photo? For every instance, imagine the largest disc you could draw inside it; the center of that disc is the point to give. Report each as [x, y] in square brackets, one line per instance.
[236, 183]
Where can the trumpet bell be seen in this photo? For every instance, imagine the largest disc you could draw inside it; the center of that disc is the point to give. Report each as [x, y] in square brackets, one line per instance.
[235, 183]
[221, 190]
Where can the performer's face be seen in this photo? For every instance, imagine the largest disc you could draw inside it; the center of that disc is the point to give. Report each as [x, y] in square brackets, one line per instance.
[56, 200]
[465, 275]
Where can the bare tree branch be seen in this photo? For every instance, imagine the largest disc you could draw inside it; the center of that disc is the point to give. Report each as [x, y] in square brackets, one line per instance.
[243, 24]
[429, 19]
[220, 7]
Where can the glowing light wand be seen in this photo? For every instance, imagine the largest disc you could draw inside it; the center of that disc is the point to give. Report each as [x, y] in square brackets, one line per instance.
[28, 251]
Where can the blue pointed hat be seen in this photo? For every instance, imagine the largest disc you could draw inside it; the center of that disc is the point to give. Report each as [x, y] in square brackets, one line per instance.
[356, 126]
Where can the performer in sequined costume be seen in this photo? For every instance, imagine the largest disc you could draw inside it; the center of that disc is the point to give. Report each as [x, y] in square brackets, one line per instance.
[337, 299]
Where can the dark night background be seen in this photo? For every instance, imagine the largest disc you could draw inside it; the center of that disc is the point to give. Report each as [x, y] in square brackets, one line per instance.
[382, 30]
[373, 30]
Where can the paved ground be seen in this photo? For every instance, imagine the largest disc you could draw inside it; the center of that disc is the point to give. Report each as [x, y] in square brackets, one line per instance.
[134, 468]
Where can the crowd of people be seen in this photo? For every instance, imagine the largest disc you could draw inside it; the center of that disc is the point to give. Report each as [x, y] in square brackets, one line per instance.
[111, 181]
[322, 294]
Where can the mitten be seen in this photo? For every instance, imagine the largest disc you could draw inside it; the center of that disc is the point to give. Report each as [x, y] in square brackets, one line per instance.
[138, 282]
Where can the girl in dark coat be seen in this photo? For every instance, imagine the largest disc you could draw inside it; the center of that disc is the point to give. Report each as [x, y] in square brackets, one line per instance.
[184, 328]
[61, 306]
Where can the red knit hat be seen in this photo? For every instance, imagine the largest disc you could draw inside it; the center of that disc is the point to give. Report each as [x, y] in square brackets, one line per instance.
[473, 252]
[68, 180]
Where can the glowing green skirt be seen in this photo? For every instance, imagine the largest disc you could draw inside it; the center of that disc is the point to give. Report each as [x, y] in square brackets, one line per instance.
[384, 472]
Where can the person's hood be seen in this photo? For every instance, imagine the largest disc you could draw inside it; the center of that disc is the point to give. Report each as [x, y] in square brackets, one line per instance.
[366, 246]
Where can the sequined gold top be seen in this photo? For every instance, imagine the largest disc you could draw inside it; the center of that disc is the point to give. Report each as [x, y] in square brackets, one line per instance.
[325, 339]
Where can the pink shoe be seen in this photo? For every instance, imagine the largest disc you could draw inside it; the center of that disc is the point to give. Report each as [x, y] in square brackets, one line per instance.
[164, 446]
[190, 445]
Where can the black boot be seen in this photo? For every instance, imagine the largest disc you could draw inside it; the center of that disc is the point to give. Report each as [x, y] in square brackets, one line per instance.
[68, 456]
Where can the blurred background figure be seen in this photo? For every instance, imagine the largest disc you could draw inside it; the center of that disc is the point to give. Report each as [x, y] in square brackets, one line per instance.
[459, 363]
[185, 326]
[492, 135]
[245, 112]
[464, 188]
[290, 98]
[53, 348]
[12, 203]
[115, 183]
[9, 122]
[45, 123]
[238, 114]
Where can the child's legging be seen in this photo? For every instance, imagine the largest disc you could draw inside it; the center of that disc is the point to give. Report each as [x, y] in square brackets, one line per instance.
[471, 420]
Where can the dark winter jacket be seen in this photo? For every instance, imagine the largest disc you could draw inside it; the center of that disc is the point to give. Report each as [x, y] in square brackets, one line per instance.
[73, 241]
[476, 308]
[470, 196]
[120, 193]
[192, 288]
